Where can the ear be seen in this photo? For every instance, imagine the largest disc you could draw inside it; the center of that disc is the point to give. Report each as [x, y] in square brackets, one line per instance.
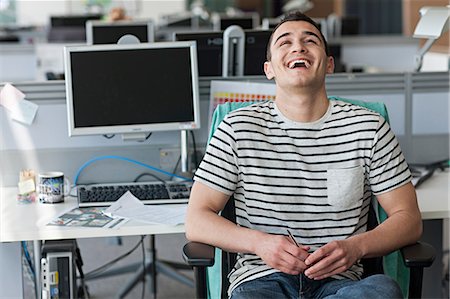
[330, 65]
[268, 70]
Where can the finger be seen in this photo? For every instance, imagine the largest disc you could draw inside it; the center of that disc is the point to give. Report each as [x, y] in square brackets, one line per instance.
[298, 252]
[327, 268]
[316, 256]
[322, 265]
[289, 268]
[331, 273]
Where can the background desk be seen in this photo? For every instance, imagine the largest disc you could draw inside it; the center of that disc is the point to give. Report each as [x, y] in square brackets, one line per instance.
[27, 222]
[434, 204]
[433, 196]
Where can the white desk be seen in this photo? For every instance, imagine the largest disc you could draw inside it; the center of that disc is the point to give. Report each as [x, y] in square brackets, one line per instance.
[28, 222]
[434, 197]
[434, 203]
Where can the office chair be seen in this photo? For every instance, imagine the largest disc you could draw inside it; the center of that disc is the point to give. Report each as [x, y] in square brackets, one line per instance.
[214, 282]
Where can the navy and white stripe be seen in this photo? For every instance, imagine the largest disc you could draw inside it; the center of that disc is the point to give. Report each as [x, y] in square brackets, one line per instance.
[279, 173]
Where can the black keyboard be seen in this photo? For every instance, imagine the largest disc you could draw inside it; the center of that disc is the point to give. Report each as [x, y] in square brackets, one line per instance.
[102, 195]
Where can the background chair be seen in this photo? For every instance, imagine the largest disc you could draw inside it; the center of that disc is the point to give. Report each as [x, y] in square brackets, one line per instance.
[212, 265]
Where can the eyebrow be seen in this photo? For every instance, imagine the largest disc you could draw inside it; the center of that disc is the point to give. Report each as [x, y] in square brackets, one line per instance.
[305, 32]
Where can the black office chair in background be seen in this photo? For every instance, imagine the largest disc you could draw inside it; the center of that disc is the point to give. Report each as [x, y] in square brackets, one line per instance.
[200, 256]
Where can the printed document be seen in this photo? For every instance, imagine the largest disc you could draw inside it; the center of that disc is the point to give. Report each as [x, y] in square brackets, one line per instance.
[128, 206]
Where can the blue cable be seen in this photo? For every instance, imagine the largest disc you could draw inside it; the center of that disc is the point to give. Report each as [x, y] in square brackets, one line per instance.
[128, 160]
[28, 258]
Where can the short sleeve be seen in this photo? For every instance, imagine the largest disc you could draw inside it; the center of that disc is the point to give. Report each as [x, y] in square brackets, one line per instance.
[219, 167]
[388, 168]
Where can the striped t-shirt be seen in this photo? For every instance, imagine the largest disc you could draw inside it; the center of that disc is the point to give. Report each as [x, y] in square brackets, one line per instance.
[315, 179]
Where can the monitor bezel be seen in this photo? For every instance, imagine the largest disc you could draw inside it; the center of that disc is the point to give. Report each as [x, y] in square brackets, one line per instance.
[90, 26]
[136, 128]
[218, 17]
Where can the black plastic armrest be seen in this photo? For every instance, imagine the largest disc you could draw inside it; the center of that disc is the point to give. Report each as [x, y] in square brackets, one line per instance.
[418, 255]
[198, 254]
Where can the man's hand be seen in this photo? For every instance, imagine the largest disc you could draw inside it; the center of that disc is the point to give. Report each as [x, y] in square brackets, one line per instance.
[332, 258]
[280, 253]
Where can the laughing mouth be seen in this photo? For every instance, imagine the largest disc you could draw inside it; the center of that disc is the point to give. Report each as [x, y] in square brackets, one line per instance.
[299, 63]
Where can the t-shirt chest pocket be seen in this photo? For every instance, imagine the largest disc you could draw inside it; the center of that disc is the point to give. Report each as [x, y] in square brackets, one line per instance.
[345, 186]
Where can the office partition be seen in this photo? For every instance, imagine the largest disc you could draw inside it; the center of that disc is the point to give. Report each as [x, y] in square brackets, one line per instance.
[411, 99]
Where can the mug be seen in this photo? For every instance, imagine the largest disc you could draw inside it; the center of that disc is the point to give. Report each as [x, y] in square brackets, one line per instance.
[52, 186]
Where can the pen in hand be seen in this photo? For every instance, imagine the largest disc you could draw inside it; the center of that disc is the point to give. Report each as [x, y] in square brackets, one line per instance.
[292, 238]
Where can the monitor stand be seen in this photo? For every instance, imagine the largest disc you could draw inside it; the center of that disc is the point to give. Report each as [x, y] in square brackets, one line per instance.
[184, 152]
[128, 39]
[141, 136]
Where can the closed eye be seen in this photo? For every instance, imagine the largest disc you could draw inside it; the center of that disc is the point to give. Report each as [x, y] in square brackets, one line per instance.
[311, 40]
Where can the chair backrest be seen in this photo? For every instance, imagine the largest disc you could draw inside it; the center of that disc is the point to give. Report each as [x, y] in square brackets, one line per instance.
[391, 265]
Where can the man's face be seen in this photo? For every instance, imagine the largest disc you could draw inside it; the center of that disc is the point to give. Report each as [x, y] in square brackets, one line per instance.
[298, 56]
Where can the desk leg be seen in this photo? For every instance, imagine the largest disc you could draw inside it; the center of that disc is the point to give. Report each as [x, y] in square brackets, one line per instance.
[37, 267]
[153, 272]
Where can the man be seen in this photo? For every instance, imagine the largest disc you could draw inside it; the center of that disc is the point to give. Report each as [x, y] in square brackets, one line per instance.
[309, 166]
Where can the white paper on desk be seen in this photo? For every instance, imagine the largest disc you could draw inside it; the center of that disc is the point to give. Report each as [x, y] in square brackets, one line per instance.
[129, 206]
[20, 109]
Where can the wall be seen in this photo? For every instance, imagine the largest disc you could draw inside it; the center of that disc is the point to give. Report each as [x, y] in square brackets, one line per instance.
[411, 17]
[38, 12]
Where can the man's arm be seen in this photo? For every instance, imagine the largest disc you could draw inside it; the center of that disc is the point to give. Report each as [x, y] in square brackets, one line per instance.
[402, 227]
[203, 224]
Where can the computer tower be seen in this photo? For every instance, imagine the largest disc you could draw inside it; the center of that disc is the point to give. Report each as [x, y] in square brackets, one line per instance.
[58, 269]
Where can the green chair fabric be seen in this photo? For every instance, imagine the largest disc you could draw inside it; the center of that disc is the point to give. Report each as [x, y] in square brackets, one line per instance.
[393, 264]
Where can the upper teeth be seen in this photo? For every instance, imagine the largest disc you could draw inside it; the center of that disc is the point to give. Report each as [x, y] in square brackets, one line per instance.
[298, 62]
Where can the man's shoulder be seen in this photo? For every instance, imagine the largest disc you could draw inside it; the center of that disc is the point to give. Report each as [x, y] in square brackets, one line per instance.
[358, 108]
[252, 110]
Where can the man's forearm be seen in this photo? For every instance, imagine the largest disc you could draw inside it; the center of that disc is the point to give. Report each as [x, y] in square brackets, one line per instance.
[210, 228]
[395, 232]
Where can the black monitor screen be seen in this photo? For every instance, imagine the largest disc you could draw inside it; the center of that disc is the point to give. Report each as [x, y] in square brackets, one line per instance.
[210, 45]
[73, 20]
[209, 49]
[255, 51]
[131, 88]
[70, 28]
[98, 32]
[244, 22]
[350, 25]
[336, 52]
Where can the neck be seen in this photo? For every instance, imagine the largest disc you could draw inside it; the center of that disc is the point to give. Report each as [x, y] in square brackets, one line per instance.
[302, 106]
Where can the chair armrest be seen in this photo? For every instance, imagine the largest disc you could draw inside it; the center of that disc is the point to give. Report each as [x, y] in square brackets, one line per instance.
[418, 255]
[198, 254]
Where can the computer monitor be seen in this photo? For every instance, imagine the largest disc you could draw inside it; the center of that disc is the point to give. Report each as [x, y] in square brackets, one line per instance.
[73, 20]
[210, 44]
[69, 28]
[349, 25]
[336, 52]
[131, 89]
[98, 32]
[245, 21]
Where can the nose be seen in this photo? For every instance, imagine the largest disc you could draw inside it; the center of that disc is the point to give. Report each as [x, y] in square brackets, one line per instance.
[299, 47]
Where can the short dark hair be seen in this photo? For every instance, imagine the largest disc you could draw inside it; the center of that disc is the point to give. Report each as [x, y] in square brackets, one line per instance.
[296, 16]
